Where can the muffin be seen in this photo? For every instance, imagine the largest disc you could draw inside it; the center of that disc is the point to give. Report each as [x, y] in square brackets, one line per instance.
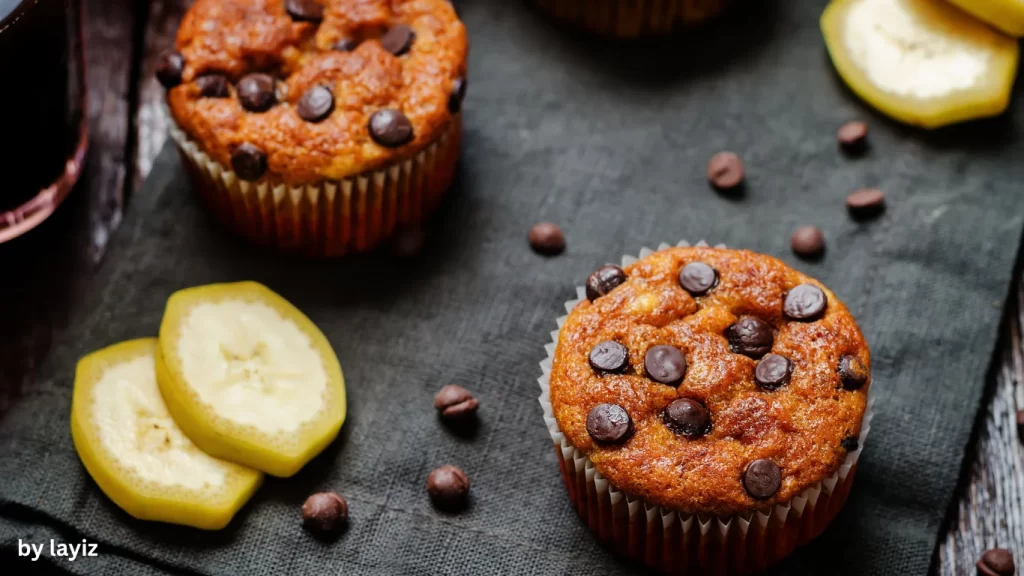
[708, 407]
[630, 18]
[318, 126]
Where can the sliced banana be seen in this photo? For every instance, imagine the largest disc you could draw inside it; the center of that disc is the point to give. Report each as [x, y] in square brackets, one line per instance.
[248, 377]
[1006, 15]
[137, 454]
[922, 62]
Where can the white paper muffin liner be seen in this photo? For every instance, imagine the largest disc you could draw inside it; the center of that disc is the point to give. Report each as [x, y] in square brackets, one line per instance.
[676, 542]
[631, 18]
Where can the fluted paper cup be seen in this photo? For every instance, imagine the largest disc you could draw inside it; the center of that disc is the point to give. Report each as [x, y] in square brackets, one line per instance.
[631, 18]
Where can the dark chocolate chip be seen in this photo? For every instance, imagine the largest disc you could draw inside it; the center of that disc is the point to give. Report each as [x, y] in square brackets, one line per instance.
[687, 417]
[256, 92]
[773, 371]
[604, 280]
[996, 562]
[316, 104]
[850, 443]
[609, 423]
[457, 95]
[546, 238]
[665, 364]
[807, 242]
[398, 39]
[750, 336]
[852, 372]
[390, 128]
[325, 513]
[762, 479]
[448, 487]
[805, 302]
[169, 69]
[698, 278]
[455, 403]
[213, 86]
[853, 138]
[345, 45]
[305, 10]
[865, 203]
[725, 171]
[609, 357]
[249, 162]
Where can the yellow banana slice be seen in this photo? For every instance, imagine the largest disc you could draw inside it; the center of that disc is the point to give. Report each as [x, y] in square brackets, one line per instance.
[922, 62]
[248, 377]
[137, 454]
[1006, 15]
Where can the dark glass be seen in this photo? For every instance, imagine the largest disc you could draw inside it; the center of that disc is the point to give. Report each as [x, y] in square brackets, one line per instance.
[42, 143]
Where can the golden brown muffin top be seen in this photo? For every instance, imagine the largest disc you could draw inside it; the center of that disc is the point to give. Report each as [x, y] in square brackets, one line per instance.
[697, 455]
[357, 49]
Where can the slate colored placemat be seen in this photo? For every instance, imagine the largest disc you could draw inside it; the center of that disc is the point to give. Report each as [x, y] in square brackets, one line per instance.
[609, 140]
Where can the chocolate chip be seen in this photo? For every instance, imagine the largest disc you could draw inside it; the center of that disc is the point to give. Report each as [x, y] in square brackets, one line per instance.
[762, 479]
[457, 95]
[455, 402]
[316, 104]
[773, 371]
[687, 417]
[248, 162]
[807, 242]
[698, 278]
[805, 302]
[345, 45]
[850, 443]
[390, 128]
[604, 280]
[750, 336]
[305, 10]
[169, 69]
[448, 487]
[398, 39]
[609, 423]
[213, 86]
[665, 364]
[852, 372]
[865, 203]
[609, 357]
[853, 138]
[325, 513]
[725, 171]
[256, 92]
[546, 238]
[996, 562]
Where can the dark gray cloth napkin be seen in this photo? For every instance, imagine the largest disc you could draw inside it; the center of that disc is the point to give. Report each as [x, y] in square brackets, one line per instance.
[609, 140]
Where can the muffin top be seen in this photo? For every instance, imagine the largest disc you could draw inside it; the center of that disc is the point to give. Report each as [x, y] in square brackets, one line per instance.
[308, 90]
[710, 380]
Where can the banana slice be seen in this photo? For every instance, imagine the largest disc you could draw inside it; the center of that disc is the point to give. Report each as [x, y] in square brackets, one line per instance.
[922, 62]
[248, 377]
[1006, 15]
[137, 454]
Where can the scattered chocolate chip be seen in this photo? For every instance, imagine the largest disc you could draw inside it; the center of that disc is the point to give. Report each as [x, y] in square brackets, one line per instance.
[169, 69]
[455, 402]
[408, 242]
[807, 242]
[850, 443]
[665, 364]
[805, 302]
[604, 280]
[865, 203]
[398, 39]
[390, 128]
[773, 371]
[325, 513]
[316, 104]
[725, 171]
[853, 138]
[256, 92]
[547, 239]
[698, 278]
[448, 487]
[609, 423]
[457, 95]
[750, 336]
[687, 417]
[996, 562]
[213, 86]
[852, 372]
[248, 162]
[762, 479]
[345, 45]
[305, 10]
[609, 357]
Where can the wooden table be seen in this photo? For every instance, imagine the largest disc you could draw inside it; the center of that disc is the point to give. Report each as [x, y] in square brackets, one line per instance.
[123, 39]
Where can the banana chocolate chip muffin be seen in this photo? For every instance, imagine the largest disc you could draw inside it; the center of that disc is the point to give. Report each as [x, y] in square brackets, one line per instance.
[320, 126]
[712, 385]
[630, 18]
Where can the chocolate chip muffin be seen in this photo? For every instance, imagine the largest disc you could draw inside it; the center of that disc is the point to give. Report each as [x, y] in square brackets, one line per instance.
[321, 126]
[713, 386]
[629, 18]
